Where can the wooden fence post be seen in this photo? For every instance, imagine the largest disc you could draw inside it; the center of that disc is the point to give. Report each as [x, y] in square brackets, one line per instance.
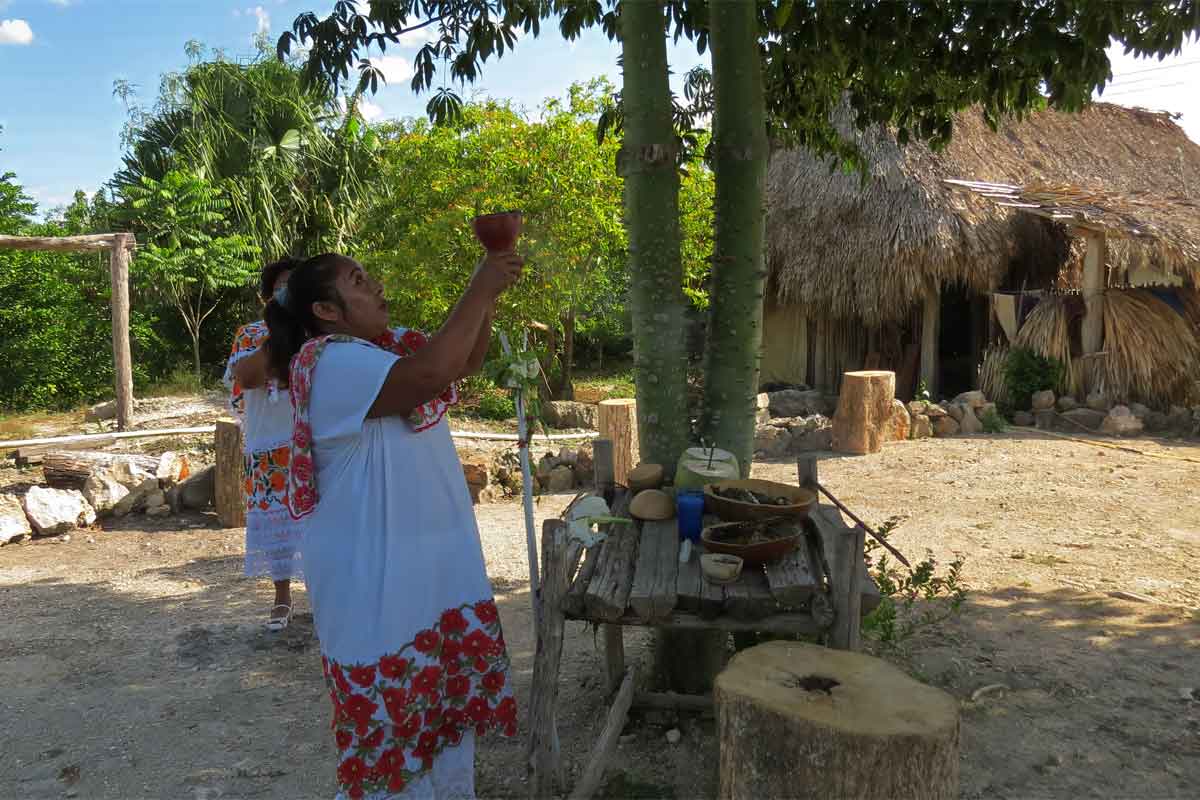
[118, 267]
[230, 474]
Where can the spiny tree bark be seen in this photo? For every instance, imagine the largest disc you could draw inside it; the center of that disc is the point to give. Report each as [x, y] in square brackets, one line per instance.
[648, 163]
[740, 162]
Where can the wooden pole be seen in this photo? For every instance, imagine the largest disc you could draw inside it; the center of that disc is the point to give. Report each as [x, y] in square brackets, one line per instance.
[118, 264]
[230, 476]
[614, 642]
[617, 422]
[847, 591]
[545, 763]
[1092, 331]
[931, 324]
[606, 744]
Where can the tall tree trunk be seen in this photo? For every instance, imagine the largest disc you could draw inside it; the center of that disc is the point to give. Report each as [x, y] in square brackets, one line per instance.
[686, 661]
[567, 356]
[740, 164]
[648, 163]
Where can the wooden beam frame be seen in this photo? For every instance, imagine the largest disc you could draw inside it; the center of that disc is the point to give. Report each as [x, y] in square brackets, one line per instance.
[120, 246]
[1094, 283]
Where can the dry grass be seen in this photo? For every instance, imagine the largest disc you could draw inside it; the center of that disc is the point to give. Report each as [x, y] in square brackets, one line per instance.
[869, 251]
[1047, 332]
[38, 423]
[991, 375]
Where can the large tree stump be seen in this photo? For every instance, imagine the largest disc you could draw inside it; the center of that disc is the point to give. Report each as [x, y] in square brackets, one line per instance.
[71, 469]
[230, 479]
[862, 422]
[800, 721]
[617, 421]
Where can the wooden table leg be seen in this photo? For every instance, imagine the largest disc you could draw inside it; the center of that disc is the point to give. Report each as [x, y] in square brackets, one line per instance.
[614, 656]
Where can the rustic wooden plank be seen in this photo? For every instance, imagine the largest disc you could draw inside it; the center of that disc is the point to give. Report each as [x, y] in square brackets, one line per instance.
[641, 593]
[607, 594]
[653, 594]
[603, 466]
[701, 704]
[790, 579]
[606, 744]
[749, 598]
[665, 596]
[545, 764]
[614, 655]
[783, 623]
[573, 602]
[693, 593]
[827, 523]
[89, 243]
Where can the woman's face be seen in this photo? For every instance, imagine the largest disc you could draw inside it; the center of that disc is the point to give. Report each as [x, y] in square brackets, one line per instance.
[365, 311]
[281, 280]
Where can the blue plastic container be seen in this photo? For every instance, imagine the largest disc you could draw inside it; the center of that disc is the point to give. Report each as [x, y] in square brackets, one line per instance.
[689, 509]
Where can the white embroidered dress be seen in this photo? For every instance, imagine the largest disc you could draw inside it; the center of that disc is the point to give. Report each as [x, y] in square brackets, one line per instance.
[410, 635]
[272, 536]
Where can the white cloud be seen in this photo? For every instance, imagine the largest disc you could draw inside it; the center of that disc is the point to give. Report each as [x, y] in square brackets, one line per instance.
[430, 33]
[395, 69]
[369, 110]
[15, 31]
[264, 19]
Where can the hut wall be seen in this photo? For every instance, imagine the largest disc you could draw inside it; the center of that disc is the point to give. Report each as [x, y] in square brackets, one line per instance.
[837, 346]
[785, 345]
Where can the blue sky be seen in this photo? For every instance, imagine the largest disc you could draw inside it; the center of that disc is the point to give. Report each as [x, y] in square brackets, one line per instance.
[59, 59]
[62, 124]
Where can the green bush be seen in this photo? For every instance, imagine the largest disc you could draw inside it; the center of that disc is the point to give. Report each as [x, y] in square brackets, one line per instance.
[496, 405]
[1026, 372]
[993, 422]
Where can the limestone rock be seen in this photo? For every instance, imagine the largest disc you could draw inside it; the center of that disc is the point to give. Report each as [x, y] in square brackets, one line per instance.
[1067, 403]
[101, 412]
[154, 499]
[771, 441]
[917, 407]
[933, 411]
[813, 440]
[1180, 418]
[103, 492]
[945, 426]
[899, 423]
[1023, 419]
[476, 472]
[1098, 402]
[562, 479]
[1138, 410]
[545, 466]
[14, 524]
[197, 493]
[1121, 422]
[922, 427]
[969, 422]
[988, 408]
[585, 467]
[136, 497]
[955, 411]
[172, 468]
[158, 511]
[1043, 400]
[796, 403]
[1156, 422]
[762, 401]
[1046, 419]
[56, 511]
[570, 414]
[130, 475]
[974, 400]
[1092, 420]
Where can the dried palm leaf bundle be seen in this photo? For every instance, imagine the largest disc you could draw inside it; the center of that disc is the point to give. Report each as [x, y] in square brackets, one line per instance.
[1150, 351]
[991, 375]
[1047, 332]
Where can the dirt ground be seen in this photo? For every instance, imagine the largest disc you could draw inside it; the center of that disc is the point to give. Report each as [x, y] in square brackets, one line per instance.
[133, 663]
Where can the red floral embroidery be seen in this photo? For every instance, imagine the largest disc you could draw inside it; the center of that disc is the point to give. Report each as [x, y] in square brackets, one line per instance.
[302, 495]
[392, 718]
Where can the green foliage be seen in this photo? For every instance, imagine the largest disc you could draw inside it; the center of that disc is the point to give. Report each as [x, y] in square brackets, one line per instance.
[418, 236]
[496, 404]
[911, 599]
[190, 258]
[55, 327]
[922, 393]
[993, 422]
[1026, 372]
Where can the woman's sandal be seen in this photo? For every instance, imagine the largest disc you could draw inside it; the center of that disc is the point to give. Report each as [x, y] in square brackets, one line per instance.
[276, 624]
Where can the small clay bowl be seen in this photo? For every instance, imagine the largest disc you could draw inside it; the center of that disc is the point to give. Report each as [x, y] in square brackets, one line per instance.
[498, 232]
[721, 568]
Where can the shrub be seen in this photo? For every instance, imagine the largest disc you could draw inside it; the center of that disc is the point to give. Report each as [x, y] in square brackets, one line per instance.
[496, 405]
[1026, 372]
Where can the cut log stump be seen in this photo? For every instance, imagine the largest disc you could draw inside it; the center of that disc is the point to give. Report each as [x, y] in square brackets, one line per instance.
[617, 422]
[864, 412]
[800, 721]
[228, 492]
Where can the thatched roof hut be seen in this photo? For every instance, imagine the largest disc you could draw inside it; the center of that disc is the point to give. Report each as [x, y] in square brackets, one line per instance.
[855, 255]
